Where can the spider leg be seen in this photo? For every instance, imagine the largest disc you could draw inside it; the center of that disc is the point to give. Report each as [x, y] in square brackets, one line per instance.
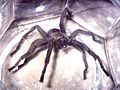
[29, 58]
[95, 37]
[22, 65]
[47, 59]
[37, 43]
[56, 51]
[86, 64]
[62, 27]
[65, 15]
[16, 64]
[83, 47]
[41, 31]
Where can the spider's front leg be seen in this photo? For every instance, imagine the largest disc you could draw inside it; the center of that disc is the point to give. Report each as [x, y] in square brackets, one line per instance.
[84, 47]
[56, 51]
[36, 44]
[95, 37]
[41, 31]
[47, 59]
[66, 14]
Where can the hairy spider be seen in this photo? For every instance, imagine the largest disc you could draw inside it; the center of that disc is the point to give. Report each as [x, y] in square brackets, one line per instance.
[56, 39]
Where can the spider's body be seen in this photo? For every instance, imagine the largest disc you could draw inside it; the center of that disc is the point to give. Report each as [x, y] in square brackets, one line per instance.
[60, 39]
[57, 39]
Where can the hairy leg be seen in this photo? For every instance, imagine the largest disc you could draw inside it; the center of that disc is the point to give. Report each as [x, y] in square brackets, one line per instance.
[37, 43]
[62, 20]
[30, 58]
[41, 31]
[56, 51]
[86, 65]
[65, 15]
[85, 61]
[95, 37]
[83, 47]
[16, 64]
[47, 59]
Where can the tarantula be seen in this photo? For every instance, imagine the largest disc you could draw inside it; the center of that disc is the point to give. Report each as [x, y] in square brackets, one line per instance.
[56, 39]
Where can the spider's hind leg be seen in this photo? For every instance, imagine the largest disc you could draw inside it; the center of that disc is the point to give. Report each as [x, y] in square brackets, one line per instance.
[84, 47]
[96, 57]
[40, 30]
[37, 43]
[27, 54]
[16, 64]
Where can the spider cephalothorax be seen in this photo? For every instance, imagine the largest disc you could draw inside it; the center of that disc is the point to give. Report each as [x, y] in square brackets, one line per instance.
[60, 39]
[56, 39]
